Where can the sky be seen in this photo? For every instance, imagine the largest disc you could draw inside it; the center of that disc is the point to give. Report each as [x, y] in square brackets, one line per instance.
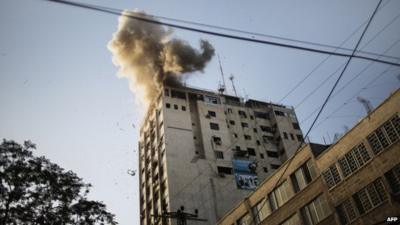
[59, 89]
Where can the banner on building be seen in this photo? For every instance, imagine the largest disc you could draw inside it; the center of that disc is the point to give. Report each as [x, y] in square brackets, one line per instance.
[245, 174]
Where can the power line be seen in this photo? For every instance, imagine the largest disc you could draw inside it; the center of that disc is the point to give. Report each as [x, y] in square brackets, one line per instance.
[148, 20]
[348, 83]
[253, 33]
[325, 102]
[353, 96]
[348, 38]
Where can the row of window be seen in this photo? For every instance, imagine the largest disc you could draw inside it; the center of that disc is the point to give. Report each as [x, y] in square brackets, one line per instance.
[312, 213]
[176, 107]
[379, 140]
[363, 201]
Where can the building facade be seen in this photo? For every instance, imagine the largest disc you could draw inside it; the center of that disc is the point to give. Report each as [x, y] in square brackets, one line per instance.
[206, 151]
[354, 181]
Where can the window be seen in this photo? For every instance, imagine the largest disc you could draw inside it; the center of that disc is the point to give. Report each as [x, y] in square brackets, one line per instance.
[245, 125]
[354, 159]
[265, 169]
[258, 142]
[247, 137]
[178, 94]
[225, 170]
[235, 135]
[251, 151]
[267, 139]
[168, 105]
[261, 115]
[299, 137]
[285, 135]
[331, 176]
[251, 117]
[183, 108]
[261, 210]
[370, 197]
[279, 113]
[385, 135]
[212, 114]
[346, 212]
[217, 140]
[393, 178]
[176, 107]
[214, 126]
[211, 99]
[291, 136]
[296, 126]
[242, 114]
[275, 167]
[272, 154]
[219, 155]
[230, 110]
[255, 130]
[315, 211]
[266, 129]
[231, 122]
[166, 92]
[261, 155]
[280, 195]
[292, 220]
[244, 220]
[303, 176]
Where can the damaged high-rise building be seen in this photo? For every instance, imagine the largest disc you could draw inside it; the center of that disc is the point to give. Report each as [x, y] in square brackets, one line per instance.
[207, 151]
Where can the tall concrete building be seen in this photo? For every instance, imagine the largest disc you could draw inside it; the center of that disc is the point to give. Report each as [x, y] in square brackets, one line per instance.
[353, 181]
[206, 151]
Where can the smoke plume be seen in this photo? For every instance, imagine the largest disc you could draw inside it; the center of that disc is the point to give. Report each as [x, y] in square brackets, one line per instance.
[148, 55]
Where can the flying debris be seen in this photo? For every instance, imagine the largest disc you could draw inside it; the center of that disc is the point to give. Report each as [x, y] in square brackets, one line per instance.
[131, 172]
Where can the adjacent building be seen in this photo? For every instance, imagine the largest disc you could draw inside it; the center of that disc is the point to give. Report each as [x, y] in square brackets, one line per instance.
[205, 150]
[353, 181]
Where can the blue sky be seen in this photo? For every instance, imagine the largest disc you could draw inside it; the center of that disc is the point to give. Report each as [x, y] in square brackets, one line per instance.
[58, 86]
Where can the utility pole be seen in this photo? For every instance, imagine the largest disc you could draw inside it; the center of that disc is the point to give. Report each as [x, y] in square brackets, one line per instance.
[181, 216]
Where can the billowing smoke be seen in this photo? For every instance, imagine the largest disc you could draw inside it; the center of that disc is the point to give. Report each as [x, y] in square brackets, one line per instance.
[148, 55]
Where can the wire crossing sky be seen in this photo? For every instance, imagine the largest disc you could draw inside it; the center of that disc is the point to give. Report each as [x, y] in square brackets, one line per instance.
[59, 89]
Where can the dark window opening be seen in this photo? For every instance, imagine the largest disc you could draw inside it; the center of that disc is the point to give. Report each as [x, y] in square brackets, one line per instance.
[242, 114]
[266, 129]
[296, 126]
[232, 122]
[291, 136]
[178, 94]
[299, 137]
[183, 108]
[247, 137]
[272, 154]
[261, 155]
[265, 169]
[251, 151]
[214, 126]
[274, 166]
[212, 114]
[225, 170]
[285, 135]
[261, 115]
[176, 107]
[245, 125]
[219, 155]
[279, 113]
[217, 140]
[168, 105]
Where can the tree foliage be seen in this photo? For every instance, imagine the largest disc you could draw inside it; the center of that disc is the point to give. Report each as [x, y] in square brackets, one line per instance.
[35, 191]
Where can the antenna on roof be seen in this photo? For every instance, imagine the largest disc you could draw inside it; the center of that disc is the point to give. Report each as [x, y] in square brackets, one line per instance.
[233, 84]
[221, 87]
[366, 103]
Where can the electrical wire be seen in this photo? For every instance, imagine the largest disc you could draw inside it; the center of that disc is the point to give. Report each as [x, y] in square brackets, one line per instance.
[224, 35]
[324, 60]
[347, 83]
